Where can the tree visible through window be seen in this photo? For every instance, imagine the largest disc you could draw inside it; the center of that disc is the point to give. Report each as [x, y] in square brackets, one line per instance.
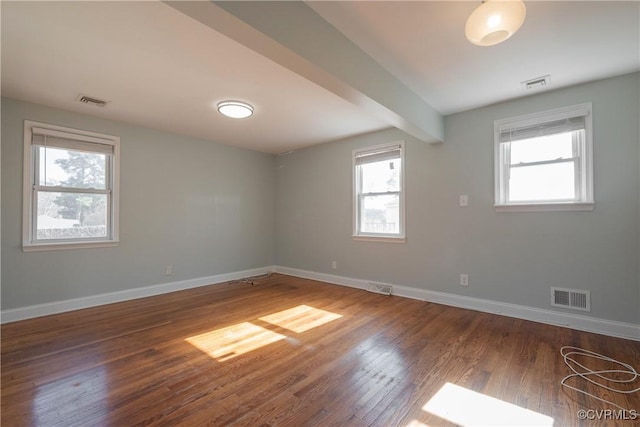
[67, 214]
[72, 188]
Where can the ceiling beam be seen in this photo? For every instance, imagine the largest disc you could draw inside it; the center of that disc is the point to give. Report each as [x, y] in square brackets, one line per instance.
[297, 38]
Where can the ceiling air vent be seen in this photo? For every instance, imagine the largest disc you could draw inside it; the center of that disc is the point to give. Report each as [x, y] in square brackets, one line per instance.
[92, 101]
[571, 298]
[537, 83]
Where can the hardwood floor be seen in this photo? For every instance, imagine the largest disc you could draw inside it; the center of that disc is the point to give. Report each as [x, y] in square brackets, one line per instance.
[292, 352]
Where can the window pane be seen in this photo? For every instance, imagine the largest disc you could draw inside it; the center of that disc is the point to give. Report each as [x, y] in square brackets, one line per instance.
[71, 215]
[69, 168]
[543, 148]
[380, 214]
[381, 176]
[555, 181]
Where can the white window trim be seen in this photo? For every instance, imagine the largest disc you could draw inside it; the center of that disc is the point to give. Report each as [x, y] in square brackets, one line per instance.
[375, 237]
[28, 245]
[586, 200]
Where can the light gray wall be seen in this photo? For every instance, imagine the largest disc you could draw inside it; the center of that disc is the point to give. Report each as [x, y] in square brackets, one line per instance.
[510, 257]
[209, 209]
[203, 207]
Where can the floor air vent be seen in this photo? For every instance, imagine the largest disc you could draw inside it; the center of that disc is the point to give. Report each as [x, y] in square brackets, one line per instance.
[379, 288]
[576, 299]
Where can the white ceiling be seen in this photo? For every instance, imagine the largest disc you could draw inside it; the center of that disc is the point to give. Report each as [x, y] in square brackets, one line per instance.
[161, 69]
[423, 44]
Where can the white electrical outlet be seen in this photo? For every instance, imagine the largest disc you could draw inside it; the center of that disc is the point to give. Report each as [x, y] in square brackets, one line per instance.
[464, 280]
[464, 200]
[334, 265]
[168, 270]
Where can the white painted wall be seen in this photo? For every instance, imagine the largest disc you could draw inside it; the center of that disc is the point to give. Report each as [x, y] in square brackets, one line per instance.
[205, 208]
[510, 257]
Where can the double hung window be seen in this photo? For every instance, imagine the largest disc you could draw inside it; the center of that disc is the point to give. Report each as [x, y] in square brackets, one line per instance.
[70, 188]
[544, 161]
[379, 192]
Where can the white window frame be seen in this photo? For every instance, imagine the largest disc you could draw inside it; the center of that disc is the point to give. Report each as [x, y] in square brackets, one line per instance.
[583, 152]
[400, 237]
[31, 187]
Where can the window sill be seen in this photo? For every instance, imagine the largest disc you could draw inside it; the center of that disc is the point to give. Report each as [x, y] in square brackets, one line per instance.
[384, 239]
[70, 245]
[545, 207]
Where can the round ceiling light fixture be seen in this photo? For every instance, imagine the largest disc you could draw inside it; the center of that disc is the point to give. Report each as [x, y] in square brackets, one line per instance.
[235, 109]
[494, 21]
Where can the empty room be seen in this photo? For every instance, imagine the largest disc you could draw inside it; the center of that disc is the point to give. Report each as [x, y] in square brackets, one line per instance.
[320, 213]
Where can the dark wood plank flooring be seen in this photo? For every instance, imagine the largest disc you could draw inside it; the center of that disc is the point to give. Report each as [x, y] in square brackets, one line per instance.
[291, 352]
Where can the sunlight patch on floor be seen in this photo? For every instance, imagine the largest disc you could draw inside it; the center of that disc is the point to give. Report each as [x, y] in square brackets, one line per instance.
[301, 318]
[232, 341]
[469, 408]
[227, 343]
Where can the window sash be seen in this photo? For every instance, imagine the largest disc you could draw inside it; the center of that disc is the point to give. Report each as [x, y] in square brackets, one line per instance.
[373, 155]
[35, 154]
[108, 225]
[380, 193]
[361, 224]
[576, 182]
[544, 162]
[36, 188]
[61, 189]
[577, 141]
[360, 204]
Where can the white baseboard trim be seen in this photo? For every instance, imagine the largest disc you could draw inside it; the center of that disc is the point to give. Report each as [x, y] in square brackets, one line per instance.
[15, 314]
[573, 321]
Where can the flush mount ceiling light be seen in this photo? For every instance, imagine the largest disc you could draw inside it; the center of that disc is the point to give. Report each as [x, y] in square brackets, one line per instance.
[494, 21]
[235, 109]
